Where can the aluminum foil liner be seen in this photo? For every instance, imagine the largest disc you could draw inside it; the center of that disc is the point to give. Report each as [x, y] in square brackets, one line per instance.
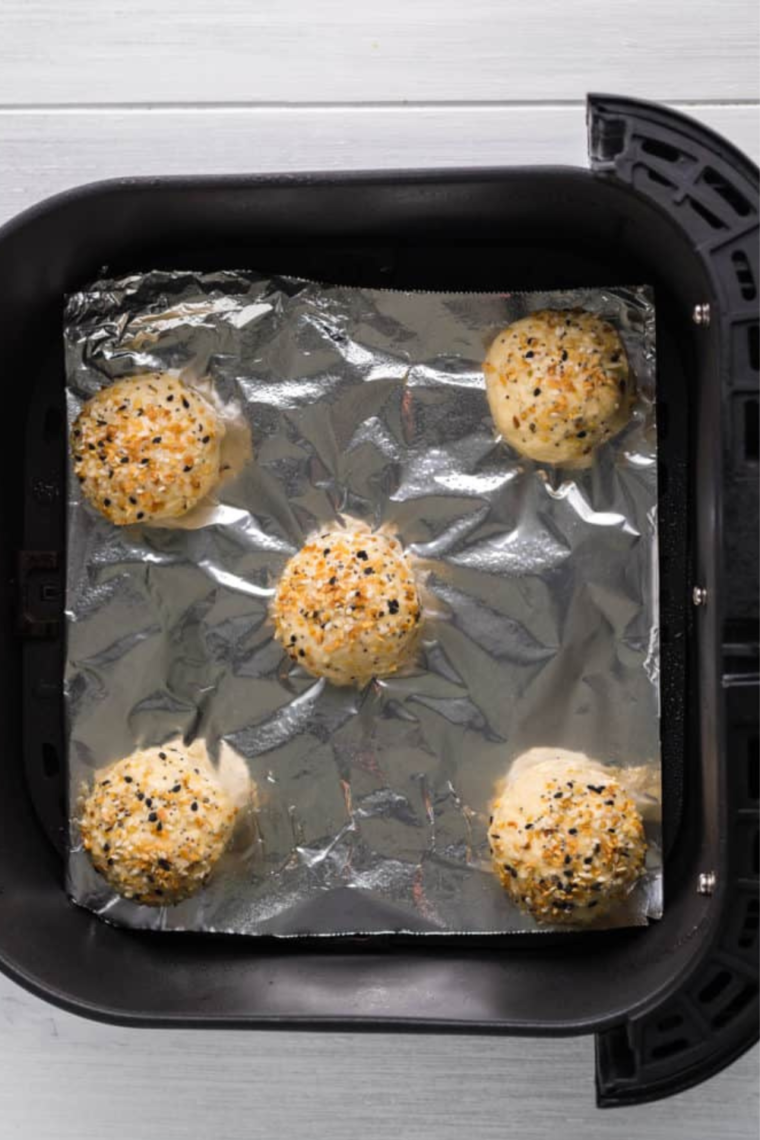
[372, 807]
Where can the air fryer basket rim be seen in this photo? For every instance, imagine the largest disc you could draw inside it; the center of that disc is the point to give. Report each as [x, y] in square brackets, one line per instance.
[649, 1044]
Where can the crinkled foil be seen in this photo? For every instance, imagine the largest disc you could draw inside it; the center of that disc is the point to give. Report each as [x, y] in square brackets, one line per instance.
[372, 807]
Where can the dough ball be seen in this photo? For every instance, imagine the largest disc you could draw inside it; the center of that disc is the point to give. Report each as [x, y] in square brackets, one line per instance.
[347, 607]
[559, 385]
[566, 838]
[146, 448]
[155, 824]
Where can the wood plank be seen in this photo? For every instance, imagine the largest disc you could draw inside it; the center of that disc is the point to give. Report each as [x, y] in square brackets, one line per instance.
[87, 51]
[52, 151]
[63, 1078]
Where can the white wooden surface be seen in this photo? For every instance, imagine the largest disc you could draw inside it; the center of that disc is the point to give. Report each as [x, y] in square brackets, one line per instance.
[306, 51]
[62, 1078]
[55, 149]
[90, 90]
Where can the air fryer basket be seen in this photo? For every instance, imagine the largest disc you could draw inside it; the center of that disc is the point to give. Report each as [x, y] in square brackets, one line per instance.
[666, 202]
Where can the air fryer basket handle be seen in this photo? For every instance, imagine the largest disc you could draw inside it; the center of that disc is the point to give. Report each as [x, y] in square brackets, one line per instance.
[710, 190]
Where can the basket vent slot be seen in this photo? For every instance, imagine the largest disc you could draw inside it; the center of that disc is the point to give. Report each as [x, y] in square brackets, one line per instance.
[727, 191]
[655, 176]
[707, 215]
[660, 149]
[747, 995]
[748, 934]
[753, 343]
[744, 275]
[672, 1021]
[715, 987]
[669, 1048]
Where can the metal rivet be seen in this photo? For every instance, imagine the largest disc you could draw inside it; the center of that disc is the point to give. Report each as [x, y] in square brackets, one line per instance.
[706, 883]
[699, 595]
[701, 314]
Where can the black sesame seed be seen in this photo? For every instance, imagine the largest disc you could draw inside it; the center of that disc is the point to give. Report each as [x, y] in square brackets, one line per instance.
[530, 354]
[369, 570]
[564, 355]
[568, 859]
[149, 802]
[326, 551]
[141, 514]
[106, 846]
[572, 831]
[187, 467]
[144, 461]
[152, 817]
[110, 862]
[588, 860]
[164, 864]
[301, 653]
[609, 803]
[528, 826]
[127, 779]
[362, 554]
[393, 606]
[185, 403]
[106, 502]
[177, 788]
[536, 391]
[206, 439]
[141, 795]
[581, 434]
[159, 827]
[169, 399]
[333, 580]
[557, 796]
[194, 806]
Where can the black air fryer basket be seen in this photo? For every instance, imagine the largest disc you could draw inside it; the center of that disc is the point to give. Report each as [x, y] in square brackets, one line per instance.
[666, 202]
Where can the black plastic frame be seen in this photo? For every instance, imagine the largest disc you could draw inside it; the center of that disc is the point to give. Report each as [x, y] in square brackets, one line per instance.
[658, 998]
